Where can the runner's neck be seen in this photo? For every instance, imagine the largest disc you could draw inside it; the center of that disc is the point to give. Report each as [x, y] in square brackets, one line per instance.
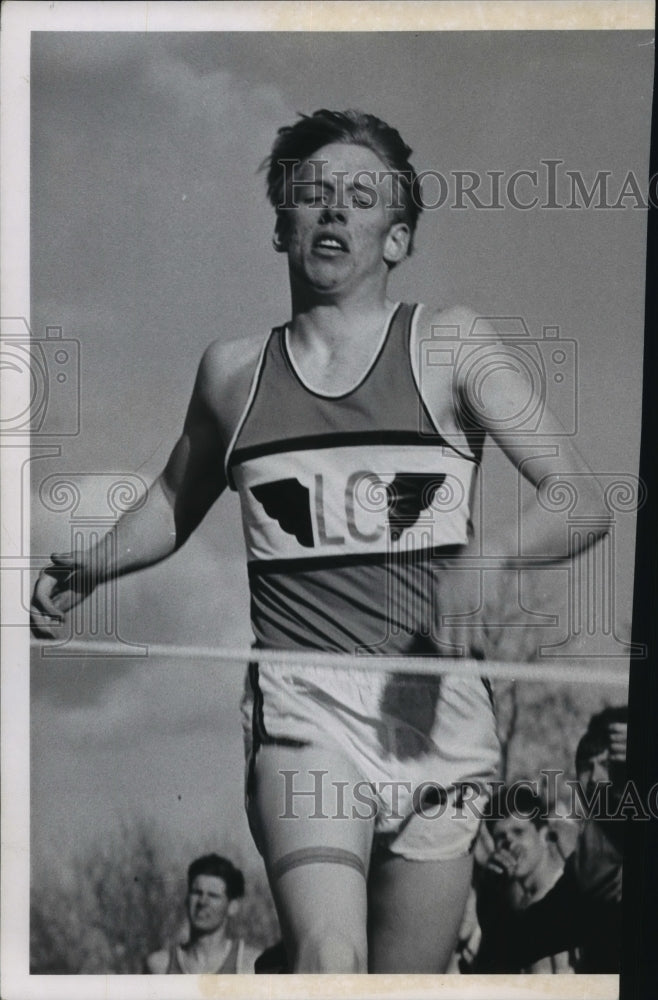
[332, 350]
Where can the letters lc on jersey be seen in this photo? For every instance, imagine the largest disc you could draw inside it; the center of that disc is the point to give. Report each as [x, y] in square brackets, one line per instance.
[401, 502]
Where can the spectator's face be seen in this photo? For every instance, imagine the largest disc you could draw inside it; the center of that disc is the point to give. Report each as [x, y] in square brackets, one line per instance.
[523, 840]
[207, 904]
[593, 769]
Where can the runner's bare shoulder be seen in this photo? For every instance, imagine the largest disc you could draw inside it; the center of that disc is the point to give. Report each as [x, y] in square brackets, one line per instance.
[491, 386]
[458, 322]
[158, 962]
[446, 342]
[225, 375]
[224, 362]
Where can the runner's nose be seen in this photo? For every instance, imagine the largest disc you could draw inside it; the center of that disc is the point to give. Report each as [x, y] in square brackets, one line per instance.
[332, 213]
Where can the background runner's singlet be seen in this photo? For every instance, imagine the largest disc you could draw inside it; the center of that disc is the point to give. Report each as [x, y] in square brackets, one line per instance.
[347, 501]
[229, 965]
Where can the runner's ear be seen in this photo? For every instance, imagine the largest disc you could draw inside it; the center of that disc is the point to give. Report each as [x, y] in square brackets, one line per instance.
[279, 241]
[396, 247]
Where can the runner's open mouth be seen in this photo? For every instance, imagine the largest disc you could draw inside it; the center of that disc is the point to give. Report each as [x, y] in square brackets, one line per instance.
[330, 242]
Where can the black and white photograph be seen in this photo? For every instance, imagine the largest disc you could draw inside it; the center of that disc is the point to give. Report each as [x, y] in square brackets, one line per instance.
[325, 384]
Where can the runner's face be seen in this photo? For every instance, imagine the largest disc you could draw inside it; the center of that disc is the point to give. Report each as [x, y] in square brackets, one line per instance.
[340, 230]
[207, 903]
[523, 840]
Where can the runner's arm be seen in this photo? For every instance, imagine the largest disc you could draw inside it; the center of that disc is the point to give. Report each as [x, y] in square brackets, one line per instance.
[483, 397]
[558, 470]
[157, 525]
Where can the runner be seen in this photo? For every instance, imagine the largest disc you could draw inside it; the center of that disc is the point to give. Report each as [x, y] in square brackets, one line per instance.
[355, 453]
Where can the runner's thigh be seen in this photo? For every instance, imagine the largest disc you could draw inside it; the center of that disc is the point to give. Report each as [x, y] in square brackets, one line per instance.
[316, 852]
[415, 911]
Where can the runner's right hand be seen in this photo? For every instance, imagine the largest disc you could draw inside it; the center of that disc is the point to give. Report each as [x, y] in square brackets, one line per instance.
[59, 587]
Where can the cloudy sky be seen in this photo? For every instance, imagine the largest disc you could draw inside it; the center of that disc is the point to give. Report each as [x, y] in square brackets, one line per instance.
[151, 236]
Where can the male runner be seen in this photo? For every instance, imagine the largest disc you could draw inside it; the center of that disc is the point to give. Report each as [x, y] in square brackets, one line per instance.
[354, 454]
[214, 887]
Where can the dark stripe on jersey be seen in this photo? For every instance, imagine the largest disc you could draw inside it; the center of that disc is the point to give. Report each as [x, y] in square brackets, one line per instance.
[341, 439]
[258, 567]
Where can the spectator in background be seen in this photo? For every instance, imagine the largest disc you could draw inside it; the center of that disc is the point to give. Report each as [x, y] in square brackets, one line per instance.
[601, 760]
[583, 909]
[523, 867]
[214, 888]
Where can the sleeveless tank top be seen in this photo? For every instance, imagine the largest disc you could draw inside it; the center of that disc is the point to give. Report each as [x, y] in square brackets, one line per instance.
[349, 502]
[228, 966]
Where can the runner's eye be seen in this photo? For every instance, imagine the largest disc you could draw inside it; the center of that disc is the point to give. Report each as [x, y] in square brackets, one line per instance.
[312, 197]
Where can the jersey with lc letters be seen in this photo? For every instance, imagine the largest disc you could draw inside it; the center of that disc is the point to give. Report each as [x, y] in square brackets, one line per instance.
[346, 501]
[351, 504]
